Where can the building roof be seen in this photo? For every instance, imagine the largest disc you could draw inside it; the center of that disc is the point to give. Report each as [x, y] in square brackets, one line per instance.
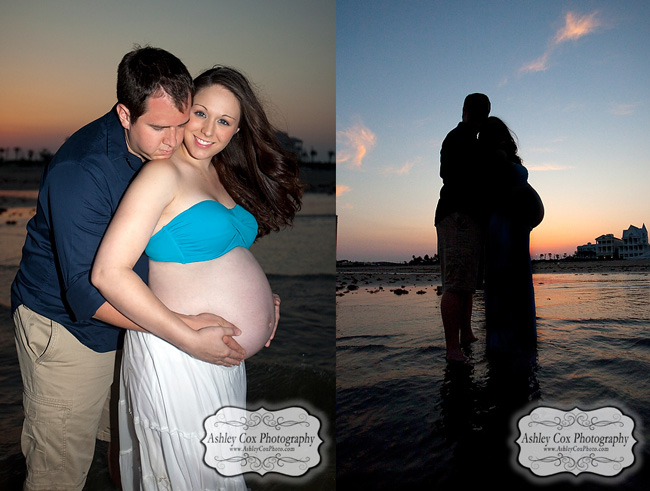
[635, 232]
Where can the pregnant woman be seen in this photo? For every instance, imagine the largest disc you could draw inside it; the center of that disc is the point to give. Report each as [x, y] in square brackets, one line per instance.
[510, 320]
[195, 215]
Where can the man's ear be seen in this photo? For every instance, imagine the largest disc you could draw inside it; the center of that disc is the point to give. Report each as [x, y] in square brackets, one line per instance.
[125, 116]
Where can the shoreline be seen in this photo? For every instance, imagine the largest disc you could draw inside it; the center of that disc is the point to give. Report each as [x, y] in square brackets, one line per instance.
[539, 267]
[404, 279]
[19, 185]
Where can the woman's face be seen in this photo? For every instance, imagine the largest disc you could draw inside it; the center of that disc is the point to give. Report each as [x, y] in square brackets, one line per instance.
[214, 119]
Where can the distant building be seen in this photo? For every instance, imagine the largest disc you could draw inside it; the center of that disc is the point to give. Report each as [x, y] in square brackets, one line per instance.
[607, 246]
[587, 251]
[635, 242]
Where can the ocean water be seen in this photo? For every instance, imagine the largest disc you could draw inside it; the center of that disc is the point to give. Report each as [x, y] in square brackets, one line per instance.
[298, 368]
[408, 420]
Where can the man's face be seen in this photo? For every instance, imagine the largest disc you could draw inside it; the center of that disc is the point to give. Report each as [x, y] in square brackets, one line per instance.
[159, 131]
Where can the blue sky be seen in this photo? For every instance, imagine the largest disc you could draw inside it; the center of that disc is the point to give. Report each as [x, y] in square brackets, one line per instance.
[569, 77]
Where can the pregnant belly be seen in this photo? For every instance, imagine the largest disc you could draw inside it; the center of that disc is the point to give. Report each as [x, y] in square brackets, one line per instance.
[232, 286]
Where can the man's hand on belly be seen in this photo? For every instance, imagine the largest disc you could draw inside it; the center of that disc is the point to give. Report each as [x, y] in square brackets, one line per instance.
[226, 351]
[215, 345]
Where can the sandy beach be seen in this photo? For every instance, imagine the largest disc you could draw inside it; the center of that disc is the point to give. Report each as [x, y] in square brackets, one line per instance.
[539, 267]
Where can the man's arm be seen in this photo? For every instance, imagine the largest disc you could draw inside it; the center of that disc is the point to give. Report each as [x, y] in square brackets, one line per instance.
[231, 351]
[80, 211]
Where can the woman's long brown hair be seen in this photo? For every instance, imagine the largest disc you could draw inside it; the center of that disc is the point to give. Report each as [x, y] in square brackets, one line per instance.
[256, 170]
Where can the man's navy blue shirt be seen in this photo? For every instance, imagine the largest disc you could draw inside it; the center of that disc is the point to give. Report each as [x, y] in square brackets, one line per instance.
[79, 192]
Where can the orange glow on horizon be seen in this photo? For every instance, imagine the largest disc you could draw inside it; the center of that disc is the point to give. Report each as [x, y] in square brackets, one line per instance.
[375, 245]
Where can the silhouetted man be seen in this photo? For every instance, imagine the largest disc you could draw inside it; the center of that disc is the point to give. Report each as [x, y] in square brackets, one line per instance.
[458, 223]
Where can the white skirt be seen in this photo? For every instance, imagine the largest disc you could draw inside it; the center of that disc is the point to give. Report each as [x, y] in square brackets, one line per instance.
[165, 396]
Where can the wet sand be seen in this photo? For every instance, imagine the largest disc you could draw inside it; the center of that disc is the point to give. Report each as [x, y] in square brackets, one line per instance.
[402, 280]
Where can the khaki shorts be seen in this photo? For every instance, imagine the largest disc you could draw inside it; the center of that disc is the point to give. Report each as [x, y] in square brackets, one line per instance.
[459, 249]
[66, 395]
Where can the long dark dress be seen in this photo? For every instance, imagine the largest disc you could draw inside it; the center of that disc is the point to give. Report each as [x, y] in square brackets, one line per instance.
[509, 294]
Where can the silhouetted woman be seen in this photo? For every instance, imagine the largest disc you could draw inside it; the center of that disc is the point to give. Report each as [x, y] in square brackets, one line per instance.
[509, 295]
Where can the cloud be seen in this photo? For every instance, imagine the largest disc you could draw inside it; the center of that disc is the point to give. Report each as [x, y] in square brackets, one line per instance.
[353, 144]
[401, 171]
[538, 65]
[423, 121]
[548, 167]
[574, 28]
[622, 109]
[539, 150]
[341, 189]
[577, 27]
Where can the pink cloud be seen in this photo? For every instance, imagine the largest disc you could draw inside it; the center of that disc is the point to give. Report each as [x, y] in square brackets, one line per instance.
[576, 27]
[353, 144]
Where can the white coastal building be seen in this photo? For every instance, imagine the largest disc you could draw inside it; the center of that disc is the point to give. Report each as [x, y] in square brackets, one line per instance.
[587, 251]
[607, 246]
[635, 243]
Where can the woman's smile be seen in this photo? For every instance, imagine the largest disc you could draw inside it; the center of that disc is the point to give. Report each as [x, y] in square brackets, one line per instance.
[202, 143]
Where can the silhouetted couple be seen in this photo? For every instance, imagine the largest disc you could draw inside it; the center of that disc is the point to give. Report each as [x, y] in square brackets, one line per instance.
[484, 217]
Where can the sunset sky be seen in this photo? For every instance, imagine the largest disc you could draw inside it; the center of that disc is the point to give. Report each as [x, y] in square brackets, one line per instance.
[59, 60]
[570, 78]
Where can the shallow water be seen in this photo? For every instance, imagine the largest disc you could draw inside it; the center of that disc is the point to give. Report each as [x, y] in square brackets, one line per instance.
[298, 368]
[407, 419]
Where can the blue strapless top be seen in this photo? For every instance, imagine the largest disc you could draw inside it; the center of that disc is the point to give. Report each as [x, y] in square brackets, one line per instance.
[204, 231]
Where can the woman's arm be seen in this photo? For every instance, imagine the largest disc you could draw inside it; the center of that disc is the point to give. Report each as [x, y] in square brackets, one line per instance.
[121, 247]
[109, 314]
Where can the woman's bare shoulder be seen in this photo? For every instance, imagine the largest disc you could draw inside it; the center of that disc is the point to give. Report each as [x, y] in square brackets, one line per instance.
[157, 179]
[159, 173]
[160, 167]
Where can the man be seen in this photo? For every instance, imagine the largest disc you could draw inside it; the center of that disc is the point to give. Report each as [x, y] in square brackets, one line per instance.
[458, 222]
[66, 333]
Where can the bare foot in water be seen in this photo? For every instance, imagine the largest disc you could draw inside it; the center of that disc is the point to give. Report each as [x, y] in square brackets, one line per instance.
[468, 339]
[456, 356]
